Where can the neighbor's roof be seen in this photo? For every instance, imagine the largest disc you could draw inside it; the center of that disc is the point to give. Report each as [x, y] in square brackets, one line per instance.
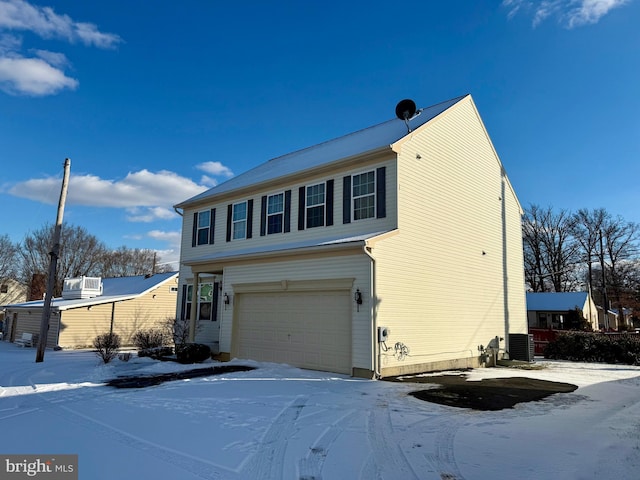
[357, 143]
[555, 301]
[115, 289]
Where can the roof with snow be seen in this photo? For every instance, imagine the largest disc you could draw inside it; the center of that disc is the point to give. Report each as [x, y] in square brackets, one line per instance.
[357, 143]
[556, 301]
[115, 289]
[329, 242]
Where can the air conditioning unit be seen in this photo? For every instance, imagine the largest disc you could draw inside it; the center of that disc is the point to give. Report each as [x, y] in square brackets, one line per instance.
[82, 287]
[521, 347]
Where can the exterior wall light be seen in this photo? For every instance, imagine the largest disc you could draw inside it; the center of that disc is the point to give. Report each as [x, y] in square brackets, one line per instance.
[225, 298]
[357, 297]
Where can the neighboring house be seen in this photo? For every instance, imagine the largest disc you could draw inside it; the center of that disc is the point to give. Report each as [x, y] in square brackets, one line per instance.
[90, 306]
[622, 322]
[613, 320]
[382, 252]
[550, 309]
[11, 291]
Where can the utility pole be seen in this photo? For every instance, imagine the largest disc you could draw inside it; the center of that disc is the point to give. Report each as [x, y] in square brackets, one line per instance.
[605, 299]
[55, 251]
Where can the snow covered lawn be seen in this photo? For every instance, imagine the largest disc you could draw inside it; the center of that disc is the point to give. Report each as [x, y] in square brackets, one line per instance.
[280, 422]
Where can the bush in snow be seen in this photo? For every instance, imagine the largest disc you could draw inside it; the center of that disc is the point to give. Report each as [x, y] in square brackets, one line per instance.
[148, 339]
[107, 345]
[192, 352]
[595, 347]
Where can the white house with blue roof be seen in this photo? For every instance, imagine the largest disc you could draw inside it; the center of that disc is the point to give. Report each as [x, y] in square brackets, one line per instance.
[394, 249]
[550, 309]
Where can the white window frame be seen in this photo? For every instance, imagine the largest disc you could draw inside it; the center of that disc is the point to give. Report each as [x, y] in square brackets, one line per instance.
[323, 204]
[355, 198]
[275, 213]
[237, 234]
[199, 227]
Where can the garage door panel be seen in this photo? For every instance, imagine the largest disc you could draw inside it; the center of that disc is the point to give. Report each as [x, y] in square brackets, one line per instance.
[304, 329]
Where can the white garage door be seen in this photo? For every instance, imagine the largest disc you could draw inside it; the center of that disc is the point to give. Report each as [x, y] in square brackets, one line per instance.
[304, 329]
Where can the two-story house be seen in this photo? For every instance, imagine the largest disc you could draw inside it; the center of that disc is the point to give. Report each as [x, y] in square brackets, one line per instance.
[394, 249]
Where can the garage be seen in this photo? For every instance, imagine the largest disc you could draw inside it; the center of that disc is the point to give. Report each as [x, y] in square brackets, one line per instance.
[307, 329]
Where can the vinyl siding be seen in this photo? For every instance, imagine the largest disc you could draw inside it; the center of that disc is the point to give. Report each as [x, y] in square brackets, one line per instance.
[337, 230]
[322, 267]
[76, 328]
[441, 281]
[80, 326]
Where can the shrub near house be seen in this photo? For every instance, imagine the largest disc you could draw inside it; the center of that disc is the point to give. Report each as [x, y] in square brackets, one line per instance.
[595, 347]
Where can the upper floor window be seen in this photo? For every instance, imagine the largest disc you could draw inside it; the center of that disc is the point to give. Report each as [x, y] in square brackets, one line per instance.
[204, 222]
[275, 213]
[315, 205]
[203, 225]
[364, 195]
[239, 223]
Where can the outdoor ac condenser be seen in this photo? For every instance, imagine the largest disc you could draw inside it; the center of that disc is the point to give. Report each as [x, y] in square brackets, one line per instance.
[521, 347]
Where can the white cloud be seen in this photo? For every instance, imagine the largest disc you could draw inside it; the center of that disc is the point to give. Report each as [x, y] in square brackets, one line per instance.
[43, 75]
[213, 169]
[216, 169]
[45, 22]
[569, 13]
[138, 189]
[150, 214]
[32, 76]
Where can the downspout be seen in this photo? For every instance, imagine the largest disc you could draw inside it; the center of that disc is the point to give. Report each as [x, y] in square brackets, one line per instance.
[374, 316]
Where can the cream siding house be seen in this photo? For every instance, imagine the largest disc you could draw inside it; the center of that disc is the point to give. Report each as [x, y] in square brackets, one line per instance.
[550, 309]
[122, 305]
[391, 250]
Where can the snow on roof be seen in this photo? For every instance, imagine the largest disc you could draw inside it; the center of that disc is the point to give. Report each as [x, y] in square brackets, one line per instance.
[114, 289]
[360, 142]
[555, 301]
[281, 247]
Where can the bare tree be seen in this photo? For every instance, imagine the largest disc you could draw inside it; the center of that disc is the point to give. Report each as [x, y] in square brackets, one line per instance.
[126, 262]
[621, 246]
[80, 254]
[587, 228]
[9, 258]
[551, 252]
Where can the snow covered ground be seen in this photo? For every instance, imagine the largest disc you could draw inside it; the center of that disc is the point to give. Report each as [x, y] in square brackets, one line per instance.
[278, 422]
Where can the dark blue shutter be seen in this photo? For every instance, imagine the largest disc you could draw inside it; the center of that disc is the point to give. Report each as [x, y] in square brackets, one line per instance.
[301, 207]
[183, 303]
[212, 224]
[346, 199]
[216, 299]
[249, 218]
[263, 216]
[329, 203]
[287, 211]
[381, 192]
[194, 234]
[229, 219]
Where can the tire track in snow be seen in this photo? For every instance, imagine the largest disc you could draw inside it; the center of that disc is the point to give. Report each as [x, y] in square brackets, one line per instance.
[444, 458]
[389, 461]
[268, 461]
[310, 467]
[58, 405]
[194, 465]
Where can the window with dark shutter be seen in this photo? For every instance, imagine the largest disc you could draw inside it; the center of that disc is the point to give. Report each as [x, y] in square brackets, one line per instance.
[315, 205]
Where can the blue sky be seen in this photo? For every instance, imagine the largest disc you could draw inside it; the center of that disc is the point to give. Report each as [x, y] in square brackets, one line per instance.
[156, 101]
